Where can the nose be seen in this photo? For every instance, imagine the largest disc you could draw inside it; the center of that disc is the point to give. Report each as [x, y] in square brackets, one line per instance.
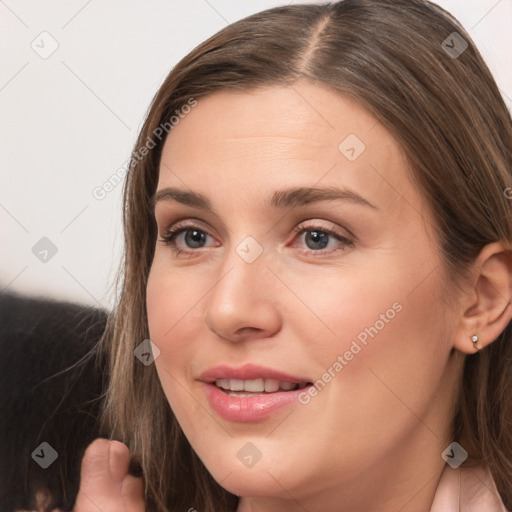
[243, 304]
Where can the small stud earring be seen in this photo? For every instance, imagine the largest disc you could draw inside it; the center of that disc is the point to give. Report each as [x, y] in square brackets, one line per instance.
[474, 338]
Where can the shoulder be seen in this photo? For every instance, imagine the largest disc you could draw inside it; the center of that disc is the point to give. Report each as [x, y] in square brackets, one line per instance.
[471, 489]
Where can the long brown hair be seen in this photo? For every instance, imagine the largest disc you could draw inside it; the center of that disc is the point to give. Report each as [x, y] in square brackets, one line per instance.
[446, 112]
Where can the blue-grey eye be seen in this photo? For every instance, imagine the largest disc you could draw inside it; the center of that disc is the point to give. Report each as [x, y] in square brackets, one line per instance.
[316, 239]
[194, 238]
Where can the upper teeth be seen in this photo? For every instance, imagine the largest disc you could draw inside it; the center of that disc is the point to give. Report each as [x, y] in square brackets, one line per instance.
[254, 386]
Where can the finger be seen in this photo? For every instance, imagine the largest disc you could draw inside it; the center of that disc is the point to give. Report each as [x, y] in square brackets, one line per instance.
[101, 477]
[104, 463]
[105, 481]
[132, 491]
[131, 488]
[119, 460]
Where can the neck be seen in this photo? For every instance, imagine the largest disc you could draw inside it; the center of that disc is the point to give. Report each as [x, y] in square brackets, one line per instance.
[408, 487]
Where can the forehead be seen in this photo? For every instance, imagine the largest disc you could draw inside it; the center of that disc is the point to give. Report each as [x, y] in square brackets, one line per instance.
[265, 139]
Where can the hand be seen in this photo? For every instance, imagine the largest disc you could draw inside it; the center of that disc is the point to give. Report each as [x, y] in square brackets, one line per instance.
[104, 480]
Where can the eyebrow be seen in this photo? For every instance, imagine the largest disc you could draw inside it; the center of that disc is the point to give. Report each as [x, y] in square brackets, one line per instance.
[304, 195]
[288, 198]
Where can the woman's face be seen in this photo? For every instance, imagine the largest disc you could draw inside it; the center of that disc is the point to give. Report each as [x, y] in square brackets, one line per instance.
[304, 255]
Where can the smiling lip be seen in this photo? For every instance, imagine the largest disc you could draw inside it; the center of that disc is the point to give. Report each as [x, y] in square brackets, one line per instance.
[248, 408]
[247, 372]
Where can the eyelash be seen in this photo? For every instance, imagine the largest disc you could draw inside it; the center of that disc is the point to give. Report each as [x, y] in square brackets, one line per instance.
[304, 228]
[169, 239]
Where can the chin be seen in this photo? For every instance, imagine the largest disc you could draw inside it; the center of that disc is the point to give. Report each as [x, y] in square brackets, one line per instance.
[269, 476]
[247, 484]
[252, 482]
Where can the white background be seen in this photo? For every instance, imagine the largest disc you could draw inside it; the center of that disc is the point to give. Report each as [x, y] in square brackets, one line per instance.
[69, 121]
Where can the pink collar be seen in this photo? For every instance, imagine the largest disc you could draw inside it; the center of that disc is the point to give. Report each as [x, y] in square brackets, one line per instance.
[469, 489]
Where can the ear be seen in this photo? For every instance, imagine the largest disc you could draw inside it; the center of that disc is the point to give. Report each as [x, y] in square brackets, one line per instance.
[487, 303]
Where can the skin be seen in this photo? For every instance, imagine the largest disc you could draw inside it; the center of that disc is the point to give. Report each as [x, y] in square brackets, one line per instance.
[364, 427]
[105, 483]
[372, 439]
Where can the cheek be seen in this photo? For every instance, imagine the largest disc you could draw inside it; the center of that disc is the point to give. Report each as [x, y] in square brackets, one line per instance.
[174, 320]
[380, 309]
[378, 339]
[173, 309]
[341, 309]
